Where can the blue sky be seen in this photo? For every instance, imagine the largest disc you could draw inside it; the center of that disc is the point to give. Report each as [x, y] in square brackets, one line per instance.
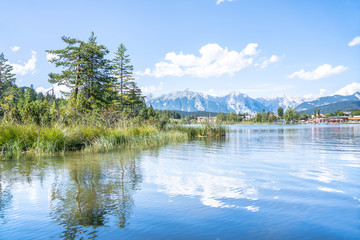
[259, 47]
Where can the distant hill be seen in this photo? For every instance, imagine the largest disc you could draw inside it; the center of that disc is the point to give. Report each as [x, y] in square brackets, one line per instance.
[333, 107]
[324, 101]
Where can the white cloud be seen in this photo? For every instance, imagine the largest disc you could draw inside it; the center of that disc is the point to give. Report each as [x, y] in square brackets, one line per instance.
[28, 67]
[213, 61]
[266, 88]
[15, 48]
[322, 71]
[211, 92]
[51, 56]
[57, 90]
[152, 88]
[272, 59]
[221, 1]
[323, 92]
[355, 41]
[146, 72]
[349, 89]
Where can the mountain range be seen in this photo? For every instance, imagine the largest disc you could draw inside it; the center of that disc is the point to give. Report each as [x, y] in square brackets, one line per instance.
[190, 101]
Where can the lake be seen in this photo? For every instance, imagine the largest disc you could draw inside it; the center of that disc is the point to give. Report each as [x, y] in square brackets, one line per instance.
[259, 182]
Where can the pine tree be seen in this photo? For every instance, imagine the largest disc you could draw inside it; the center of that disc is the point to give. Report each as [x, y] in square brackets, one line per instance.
[97, 69]
[123, 70]
[7, 78]
[151, 111]
[133, 99]
[85, 70]
[71, 59]
[280, 112]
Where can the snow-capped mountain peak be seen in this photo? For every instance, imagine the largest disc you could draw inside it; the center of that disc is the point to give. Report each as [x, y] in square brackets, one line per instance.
[238, 102]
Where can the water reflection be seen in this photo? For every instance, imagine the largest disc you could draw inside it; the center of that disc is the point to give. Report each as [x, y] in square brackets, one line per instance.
[195, 171]
[252, 183]
[5, 195]
[94, 190]
[14, 172]
[86, 191]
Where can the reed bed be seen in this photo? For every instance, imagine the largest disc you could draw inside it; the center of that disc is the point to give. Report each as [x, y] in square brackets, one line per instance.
[17, 140]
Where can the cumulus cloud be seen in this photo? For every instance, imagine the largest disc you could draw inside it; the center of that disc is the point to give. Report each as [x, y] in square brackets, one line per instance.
[322, 93]
[355, 41]
[26, 68]
[272, 59]
[213, 61]
[349, 89]
[51, 56]
[152, 88]
[15, 48]
[325, 70]
[213, 92]
[221, 1]
[57, 90]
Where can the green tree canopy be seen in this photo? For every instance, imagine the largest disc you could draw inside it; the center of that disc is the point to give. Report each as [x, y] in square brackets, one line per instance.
[123, 71]
[291, 115]
[85, 71]
[7, 78]
[280, 112]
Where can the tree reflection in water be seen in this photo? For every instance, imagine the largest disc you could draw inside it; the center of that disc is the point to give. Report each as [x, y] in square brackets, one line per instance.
[95, 190]
[17, 171]
[5, 194]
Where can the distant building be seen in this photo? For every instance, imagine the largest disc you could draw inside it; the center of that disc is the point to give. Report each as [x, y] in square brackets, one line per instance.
[328, 120]
[248, 117]
[206, 119]
[317, 115]
[354, 119]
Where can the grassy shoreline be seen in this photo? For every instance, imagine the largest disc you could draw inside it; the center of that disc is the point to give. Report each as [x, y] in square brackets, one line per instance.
[17, 140]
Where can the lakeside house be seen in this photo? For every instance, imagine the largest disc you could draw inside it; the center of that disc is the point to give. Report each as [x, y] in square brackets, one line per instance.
[334, 120]
[206, 119]
[355, 119]
[317, 115]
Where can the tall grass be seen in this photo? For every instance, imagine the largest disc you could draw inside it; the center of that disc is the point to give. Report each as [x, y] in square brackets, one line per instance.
[16, 140]
[206, 130]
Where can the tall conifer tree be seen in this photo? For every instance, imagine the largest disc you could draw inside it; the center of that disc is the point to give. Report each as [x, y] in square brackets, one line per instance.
[85, 70]
[123, 71]
[71, 59]
[7, 78]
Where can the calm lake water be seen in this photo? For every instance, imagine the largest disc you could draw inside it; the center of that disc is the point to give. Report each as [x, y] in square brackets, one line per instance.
[260, 182]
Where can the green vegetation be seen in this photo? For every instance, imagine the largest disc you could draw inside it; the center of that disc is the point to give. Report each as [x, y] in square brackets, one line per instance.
[280, 112]
[265, 117]
[291, 115]
[17, 139]
[207, 130]
[102, 109]
[230, 118]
